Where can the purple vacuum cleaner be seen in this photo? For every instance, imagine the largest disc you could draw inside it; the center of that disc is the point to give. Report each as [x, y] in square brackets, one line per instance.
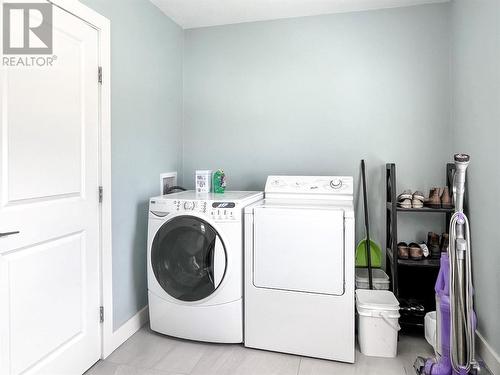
[454, 294]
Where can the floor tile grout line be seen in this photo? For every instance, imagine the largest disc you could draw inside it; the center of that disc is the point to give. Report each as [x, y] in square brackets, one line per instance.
[298, 367]
[152, 367]
[166, 372]
[171, 349]
[196, 363]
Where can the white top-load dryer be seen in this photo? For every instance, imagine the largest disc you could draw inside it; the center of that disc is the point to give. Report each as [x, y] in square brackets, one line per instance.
[195, 264]
[299, 267]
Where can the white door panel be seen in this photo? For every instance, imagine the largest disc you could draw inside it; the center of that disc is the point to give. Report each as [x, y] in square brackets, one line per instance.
[299, 250]
[49, 171]
[35, 286]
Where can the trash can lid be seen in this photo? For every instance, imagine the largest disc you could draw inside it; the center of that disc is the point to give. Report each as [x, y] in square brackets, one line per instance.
[376, 299]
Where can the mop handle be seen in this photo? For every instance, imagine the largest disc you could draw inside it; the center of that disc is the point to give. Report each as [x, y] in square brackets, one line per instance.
[367, 228]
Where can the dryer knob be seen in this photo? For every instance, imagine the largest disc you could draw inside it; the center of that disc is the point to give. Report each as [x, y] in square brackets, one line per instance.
[336, 183]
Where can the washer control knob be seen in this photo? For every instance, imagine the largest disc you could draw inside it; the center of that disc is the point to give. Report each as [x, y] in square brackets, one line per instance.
[336, 183]
[188, 205]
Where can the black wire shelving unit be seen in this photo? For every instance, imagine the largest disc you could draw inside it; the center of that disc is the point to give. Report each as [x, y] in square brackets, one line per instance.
[411, 279]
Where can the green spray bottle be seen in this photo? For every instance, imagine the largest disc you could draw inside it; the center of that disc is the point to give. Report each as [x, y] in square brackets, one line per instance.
[219, 181]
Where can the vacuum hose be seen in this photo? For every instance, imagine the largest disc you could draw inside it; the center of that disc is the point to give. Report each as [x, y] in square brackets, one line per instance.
[463, 320]
[461, 295]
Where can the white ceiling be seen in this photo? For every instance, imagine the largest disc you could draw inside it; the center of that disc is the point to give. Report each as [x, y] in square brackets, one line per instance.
[199, 13]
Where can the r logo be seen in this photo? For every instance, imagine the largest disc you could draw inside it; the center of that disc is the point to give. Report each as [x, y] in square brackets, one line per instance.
[27, 28]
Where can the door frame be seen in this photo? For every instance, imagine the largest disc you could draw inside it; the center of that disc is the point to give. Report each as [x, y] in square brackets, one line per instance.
[103, 27]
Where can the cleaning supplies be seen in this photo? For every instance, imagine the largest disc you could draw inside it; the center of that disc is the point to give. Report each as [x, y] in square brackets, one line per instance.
[376, 254]
[219, 181]
[202, 181]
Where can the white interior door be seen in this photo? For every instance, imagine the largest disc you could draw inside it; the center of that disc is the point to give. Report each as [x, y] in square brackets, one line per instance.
[299, 249]
[49, 178]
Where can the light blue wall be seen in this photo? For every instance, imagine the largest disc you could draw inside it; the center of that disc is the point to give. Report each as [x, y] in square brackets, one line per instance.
[305, 96]
[146, 110]
[314, 95]
[476, 120]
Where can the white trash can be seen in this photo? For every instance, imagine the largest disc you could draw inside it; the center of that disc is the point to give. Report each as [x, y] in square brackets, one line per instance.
[378, 322]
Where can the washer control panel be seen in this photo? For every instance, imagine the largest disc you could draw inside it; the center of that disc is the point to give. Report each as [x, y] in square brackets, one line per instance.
[222, 211]
[190, 206]
[215, 210]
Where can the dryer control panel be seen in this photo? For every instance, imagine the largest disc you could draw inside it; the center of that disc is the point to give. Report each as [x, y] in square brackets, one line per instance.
[311, 185]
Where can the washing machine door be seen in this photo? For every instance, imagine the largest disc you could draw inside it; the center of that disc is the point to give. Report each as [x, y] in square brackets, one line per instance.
[188, 258]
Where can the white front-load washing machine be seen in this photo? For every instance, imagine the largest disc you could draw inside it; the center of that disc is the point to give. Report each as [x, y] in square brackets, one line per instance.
[195, 265]
[299, 267]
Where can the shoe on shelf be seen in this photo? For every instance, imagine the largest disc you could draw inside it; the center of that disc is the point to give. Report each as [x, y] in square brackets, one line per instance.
[415, 203]
[404, 305]
[434, 200]
[433, 244]
[445, 242]
[427, 199]
[416, 252]
[403, 250]
[417, 200]
[425, 249]
[446, 201]
[416, 306]
[418, 195]
[406, 194]
[404, 199]
[406, 203]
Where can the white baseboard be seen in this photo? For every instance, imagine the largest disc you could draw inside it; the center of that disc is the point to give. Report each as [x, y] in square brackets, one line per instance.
[487, 354]
[130, 327]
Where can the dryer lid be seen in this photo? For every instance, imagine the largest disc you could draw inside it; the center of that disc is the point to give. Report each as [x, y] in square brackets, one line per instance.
[300, 250]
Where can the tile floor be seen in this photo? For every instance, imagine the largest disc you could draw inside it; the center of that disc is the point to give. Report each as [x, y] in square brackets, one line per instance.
[149, 353]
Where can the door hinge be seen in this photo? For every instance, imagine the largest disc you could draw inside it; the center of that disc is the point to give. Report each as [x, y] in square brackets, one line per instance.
[99, 74]
[101, 314]
[100, 194]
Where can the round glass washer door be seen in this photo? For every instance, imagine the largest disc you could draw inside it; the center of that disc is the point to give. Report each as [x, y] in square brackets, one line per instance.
[188, 258]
